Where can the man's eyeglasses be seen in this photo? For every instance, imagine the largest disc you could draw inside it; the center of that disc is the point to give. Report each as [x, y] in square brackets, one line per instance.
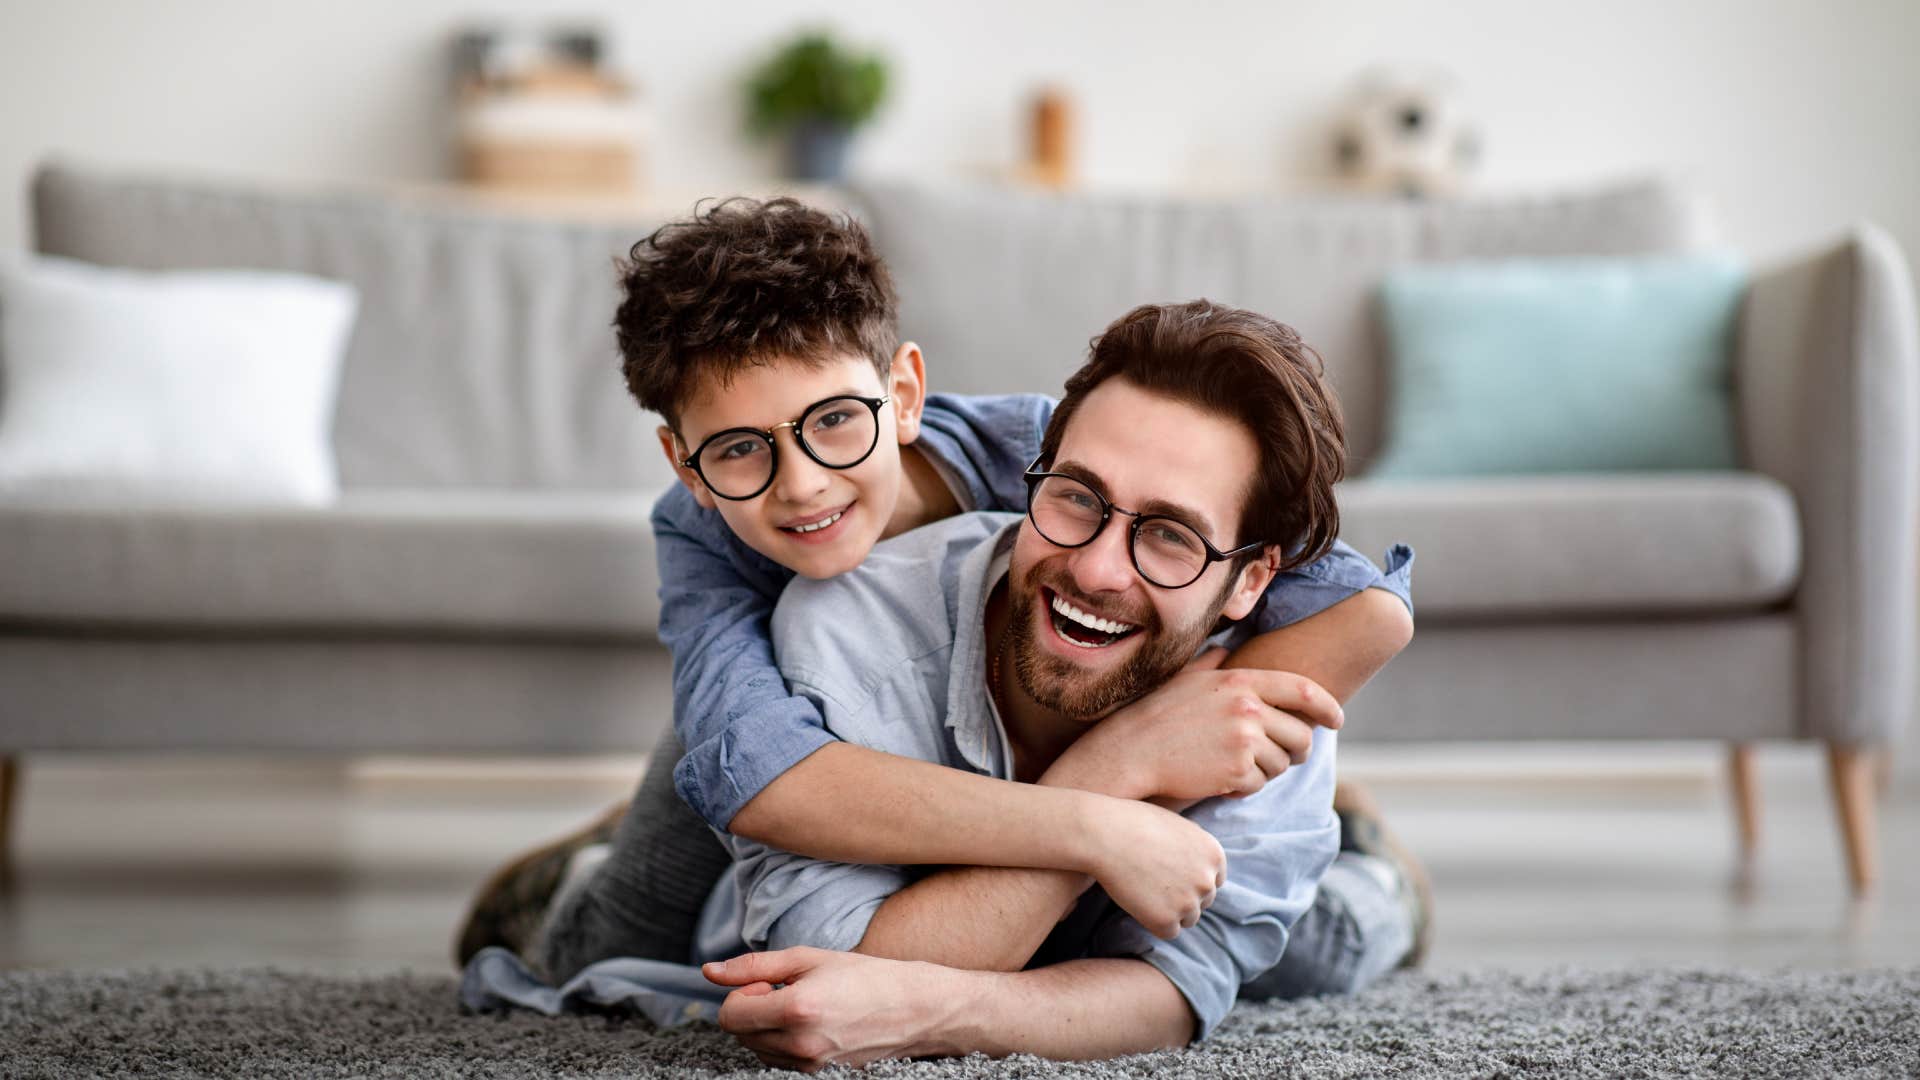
[1167, 552]
[739, 463]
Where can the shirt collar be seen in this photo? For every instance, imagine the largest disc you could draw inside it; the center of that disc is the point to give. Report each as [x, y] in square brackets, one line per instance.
[977, 730]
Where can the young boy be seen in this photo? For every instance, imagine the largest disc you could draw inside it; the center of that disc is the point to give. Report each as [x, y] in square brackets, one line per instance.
[802, 433]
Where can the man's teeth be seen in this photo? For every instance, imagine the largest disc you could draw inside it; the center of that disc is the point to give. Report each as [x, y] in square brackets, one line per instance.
[818, 525]
[1092, 622]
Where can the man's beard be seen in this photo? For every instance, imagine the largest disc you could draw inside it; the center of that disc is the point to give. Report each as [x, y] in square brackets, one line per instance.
[1057, 685]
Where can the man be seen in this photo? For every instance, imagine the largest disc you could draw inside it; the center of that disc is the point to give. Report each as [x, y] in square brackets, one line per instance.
[1180, 470]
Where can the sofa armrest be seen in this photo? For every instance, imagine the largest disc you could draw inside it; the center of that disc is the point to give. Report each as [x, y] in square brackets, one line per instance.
[1825, 381]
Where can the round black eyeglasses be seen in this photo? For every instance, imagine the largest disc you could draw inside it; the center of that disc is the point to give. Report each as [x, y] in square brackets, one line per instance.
[739, 463]
[1167, 552]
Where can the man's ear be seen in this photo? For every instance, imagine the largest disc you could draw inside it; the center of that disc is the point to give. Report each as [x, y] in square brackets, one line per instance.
[670, 446]
[1254, 579]
[907, 387]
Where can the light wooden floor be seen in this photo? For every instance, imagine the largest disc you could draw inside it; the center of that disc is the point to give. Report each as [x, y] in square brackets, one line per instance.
[1540, 857]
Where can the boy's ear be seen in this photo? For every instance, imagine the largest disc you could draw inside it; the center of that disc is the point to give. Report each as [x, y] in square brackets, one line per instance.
[1254, 579]
[670, 446]
[907, 386]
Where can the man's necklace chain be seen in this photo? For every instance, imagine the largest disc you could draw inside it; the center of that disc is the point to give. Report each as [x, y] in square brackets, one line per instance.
[993, 673]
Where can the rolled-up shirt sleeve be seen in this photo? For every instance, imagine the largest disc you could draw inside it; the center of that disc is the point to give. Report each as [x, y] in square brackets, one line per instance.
[739, 723]
[788, 899]
[1340, 573]
[792, 900]
[1279, 842]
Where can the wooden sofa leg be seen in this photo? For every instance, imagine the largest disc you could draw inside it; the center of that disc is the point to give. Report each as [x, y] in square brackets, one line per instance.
[1746, 802]
[1851, 768]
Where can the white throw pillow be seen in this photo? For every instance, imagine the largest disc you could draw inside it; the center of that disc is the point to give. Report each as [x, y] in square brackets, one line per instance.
[204, 385]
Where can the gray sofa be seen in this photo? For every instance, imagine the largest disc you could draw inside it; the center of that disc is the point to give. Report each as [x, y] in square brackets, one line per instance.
[486, 581]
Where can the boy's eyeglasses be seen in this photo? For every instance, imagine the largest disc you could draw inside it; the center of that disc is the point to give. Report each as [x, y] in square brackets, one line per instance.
[1166, 551]
[739, 463]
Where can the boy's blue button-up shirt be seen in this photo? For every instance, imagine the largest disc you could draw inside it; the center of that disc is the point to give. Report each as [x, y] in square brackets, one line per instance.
[742, 726]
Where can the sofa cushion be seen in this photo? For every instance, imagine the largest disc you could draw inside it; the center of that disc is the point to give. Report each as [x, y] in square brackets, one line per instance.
[505, 564]
[1560, 365]
[1597, 544]
[207, 385]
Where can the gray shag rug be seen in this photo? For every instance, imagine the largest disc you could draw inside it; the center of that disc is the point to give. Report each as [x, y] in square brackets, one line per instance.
[266, 1023]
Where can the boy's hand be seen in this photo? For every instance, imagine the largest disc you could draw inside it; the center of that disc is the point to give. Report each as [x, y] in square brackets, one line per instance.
[1159, 867]
[1206, 732]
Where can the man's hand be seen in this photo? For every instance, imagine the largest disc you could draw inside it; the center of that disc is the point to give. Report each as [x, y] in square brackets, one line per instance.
[1206, 732]
[834, 1008]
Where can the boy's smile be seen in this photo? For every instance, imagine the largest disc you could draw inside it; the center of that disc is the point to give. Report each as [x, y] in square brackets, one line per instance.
[816, 528]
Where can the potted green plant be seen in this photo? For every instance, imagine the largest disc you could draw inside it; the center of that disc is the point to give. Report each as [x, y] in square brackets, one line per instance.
[816, 93]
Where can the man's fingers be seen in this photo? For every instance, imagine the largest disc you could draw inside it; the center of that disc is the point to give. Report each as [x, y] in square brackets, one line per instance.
[780, 1049]
[752, 1010]
[770, 1056]
[762, 1019]
[779, 966]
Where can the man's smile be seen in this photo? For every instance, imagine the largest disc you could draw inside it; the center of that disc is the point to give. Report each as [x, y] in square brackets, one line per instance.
[1082, 628]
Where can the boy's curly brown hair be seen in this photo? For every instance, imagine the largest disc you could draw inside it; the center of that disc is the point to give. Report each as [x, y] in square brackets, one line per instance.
[744, 282]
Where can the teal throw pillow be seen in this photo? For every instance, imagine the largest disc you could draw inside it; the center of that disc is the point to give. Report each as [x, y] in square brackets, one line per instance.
[1560, 365]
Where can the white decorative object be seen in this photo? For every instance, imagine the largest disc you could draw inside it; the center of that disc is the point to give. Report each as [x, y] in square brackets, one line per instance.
[200, 385]
[1405, 133]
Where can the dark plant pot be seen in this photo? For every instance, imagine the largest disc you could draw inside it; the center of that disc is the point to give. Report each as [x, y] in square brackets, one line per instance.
[819, 151]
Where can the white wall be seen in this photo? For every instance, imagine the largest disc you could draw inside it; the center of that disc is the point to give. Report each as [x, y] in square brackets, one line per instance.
[1794, 118]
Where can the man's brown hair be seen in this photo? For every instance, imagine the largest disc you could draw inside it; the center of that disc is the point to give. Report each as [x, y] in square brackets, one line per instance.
[1246, 366]
[741, 283]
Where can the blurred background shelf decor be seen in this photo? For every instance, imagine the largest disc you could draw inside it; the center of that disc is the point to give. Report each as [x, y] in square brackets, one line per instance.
[541, 112]
[815, 94]
[1405, 133]
[390, 597]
